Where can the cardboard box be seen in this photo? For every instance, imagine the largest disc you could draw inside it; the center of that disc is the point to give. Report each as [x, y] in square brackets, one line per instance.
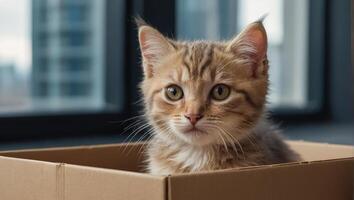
[111, 172]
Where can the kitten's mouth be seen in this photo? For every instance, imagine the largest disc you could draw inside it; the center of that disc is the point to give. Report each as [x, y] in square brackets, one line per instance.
[194, 130]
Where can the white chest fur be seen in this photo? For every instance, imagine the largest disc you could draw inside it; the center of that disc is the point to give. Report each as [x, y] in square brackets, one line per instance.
[193, 158]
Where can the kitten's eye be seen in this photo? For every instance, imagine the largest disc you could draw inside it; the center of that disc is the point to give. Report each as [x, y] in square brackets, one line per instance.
[174, 92]
[220, 92]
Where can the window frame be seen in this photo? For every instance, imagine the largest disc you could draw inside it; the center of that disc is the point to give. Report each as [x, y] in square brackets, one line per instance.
[66, 124]
[316, 71]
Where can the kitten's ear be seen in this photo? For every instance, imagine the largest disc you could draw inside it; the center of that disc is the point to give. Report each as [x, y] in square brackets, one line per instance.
[251, 46]
[153, 46]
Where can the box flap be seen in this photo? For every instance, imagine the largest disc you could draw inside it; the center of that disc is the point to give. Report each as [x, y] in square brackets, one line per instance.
[325, 180]
[114, 156]
[311, 151]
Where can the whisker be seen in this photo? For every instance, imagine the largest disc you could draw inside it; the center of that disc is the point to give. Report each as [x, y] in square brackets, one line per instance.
[132, 118]
[219, 135]
[231, 140]
[236, 140]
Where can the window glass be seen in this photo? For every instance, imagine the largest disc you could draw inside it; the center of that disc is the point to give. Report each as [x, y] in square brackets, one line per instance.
[53, 55]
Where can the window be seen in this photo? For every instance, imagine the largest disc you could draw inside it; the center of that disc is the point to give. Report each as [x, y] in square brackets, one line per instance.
[287, 27]
[75, 89]
[43, 13]
[43, 65]
[43, 89]
[75, 64]
[71, 67]
[43, 59]
[74, 12]
[74, 38]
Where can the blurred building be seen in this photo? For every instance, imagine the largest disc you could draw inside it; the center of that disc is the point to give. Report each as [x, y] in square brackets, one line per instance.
[68, 53]
[13, 89]
[7, 76]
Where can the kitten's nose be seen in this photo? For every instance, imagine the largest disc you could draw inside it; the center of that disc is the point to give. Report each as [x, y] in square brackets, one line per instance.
[193, 118]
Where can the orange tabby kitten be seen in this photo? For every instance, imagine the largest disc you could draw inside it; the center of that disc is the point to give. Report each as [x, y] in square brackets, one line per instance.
[205, 101]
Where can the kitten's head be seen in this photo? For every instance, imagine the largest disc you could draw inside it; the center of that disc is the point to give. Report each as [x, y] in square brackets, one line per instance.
[204, 92]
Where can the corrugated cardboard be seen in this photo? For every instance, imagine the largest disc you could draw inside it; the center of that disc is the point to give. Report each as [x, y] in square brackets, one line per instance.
[111, 172]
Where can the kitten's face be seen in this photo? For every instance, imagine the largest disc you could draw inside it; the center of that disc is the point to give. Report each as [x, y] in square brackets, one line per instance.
[204, 92]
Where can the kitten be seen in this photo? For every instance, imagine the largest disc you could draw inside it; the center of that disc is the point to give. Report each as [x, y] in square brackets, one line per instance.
[206, 103]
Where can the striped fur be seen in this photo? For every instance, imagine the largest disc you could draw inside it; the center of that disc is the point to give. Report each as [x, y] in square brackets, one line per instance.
[232, 132]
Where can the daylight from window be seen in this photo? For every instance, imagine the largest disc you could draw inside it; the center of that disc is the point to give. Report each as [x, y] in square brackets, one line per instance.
[15, 55]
